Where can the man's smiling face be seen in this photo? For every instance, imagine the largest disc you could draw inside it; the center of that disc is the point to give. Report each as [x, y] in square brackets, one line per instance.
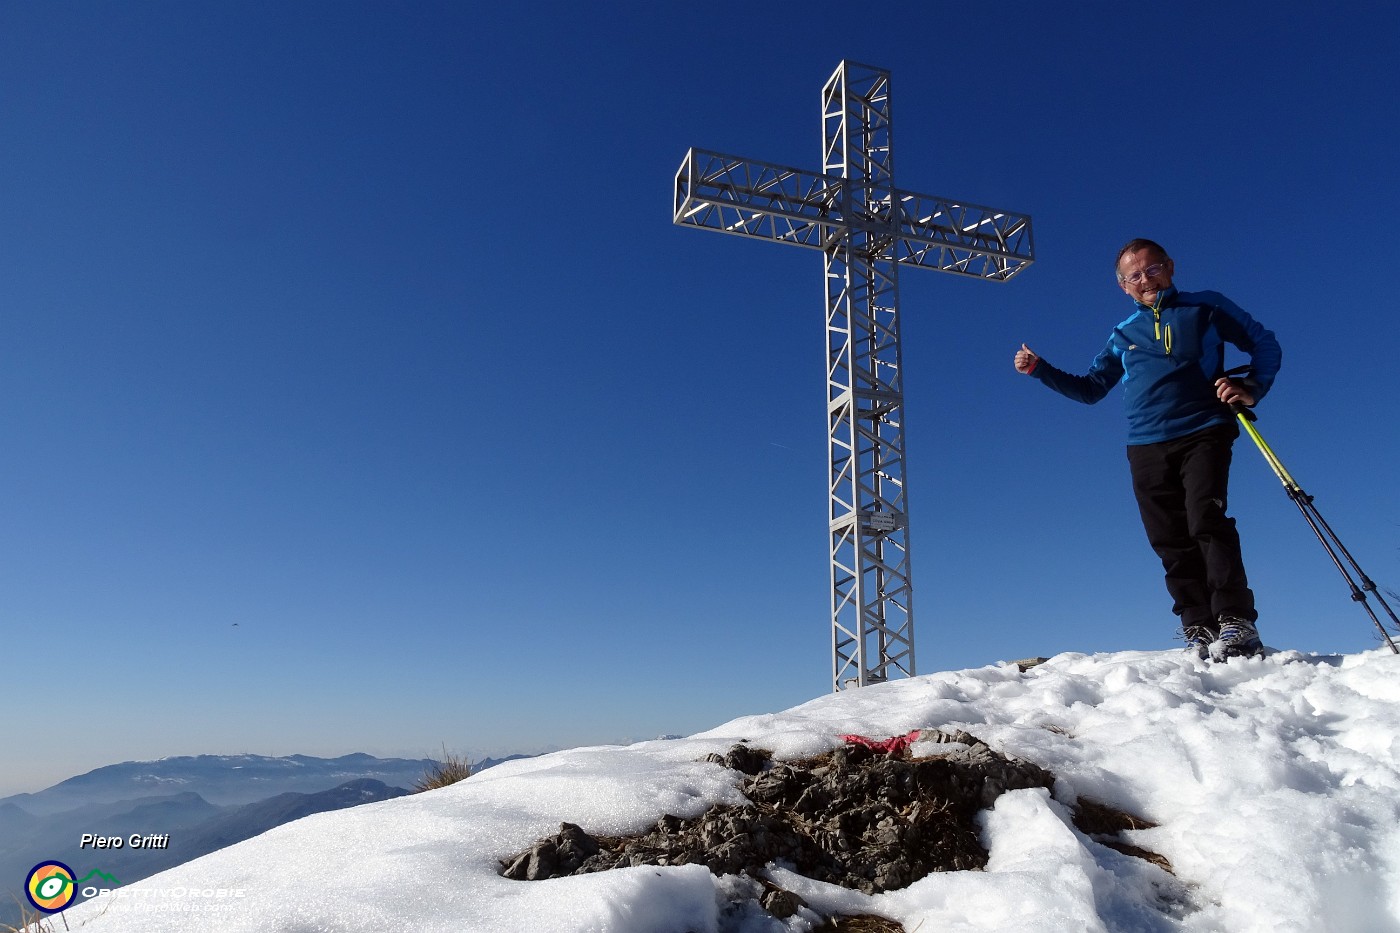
[1143, 273]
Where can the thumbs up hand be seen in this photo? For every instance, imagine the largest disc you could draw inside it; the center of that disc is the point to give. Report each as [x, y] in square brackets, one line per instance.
[1026, 360]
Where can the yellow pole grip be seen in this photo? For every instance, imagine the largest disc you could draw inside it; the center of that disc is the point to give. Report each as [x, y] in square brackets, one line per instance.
[1274, 462]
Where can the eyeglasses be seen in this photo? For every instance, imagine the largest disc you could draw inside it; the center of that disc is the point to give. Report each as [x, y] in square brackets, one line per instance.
[1137, 278]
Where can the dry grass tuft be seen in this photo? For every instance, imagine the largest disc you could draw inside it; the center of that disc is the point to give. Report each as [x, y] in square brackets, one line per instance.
[31, 921]
[864, 923]
[451, 769]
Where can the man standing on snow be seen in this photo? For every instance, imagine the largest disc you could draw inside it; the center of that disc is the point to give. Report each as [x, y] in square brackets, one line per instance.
[1170, 355]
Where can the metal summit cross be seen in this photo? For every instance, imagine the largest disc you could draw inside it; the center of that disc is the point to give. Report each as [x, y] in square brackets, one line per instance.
[866, 228]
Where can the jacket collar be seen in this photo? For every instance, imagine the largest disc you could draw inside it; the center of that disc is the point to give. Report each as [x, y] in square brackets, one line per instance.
[1164, 298]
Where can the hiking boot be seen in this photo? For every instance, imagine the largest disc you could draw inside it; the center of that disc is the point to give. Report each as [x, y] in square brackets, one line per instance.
[1238, 639]
[1199, 639]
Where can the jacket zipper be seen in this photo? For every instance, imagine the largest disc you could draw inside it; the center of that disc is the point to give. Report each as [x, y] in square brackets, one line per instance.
[1157, 329]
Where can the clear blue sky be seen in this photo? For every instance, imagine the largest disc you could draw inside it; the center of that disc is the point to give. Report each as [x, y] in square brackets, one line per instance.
[358, 394]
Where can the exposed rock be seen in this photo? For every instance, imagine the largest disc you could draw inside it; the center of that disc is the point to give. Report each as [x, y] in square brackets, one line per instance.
[1026, 664]
[781, 904]
[854, 817]
[743, 758]
[1105, 825]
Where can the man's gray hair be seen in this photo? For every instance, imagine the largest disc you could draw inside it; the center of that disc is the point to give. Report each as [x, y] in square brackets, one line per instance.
[1135, 244]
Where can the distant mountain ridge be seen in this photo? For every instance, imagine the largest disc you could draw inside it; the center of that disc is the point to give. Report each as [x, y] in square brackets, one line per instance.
[222, 780]
[228, 825]
[202, 803]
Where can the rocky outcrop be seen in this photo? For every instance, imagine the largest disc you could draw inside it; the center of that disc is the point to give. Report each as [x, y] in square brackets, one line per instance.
[858, 817]
[854, 817]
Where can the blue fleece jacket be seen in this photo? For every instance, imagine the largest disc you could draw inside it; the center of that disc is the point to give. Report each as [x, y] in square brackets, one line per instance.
[1168, 358]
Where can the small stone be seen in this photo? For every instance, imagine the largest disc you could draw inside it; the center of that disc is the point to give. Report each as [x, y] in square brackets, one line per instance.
[517, 869]
[542, 861]
[782, 904]
[746, 759]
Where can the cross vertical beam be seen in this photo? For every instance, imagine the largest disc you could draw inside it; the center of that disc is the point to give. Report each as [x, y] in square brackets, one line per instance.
[872, 633]
[866, 228]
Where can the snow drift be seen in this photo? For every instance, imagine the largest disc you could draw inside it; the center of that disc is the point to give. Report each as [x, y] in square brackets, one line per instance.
[1274, 785]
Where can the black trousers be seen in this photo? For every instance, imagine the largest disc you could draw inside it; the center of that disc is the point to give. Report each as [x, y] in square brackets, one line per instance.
[1181, 487]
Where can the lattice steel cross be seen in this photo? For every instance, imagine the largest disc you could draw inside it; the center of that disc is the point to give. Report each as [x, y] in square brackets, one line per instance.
[866, 228]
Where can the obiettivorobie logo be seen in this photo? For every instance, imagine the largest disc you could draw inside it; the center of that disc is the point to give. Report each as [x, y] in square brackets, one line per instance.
[52, 886]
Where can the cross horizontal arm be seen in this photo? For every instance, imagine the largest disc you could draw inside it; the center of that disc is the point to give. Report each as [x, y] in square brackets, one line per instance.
[782, 204]
[954, 236]
[758, 199]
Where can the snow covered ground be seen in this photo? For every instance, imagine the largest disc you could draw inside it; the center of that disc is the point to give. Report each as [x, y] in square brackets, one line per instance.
[1275, 783]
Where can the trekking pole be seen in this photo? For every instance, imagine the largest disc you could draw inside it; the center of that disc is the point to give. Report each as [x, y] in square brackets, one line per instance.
[1319, 525]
